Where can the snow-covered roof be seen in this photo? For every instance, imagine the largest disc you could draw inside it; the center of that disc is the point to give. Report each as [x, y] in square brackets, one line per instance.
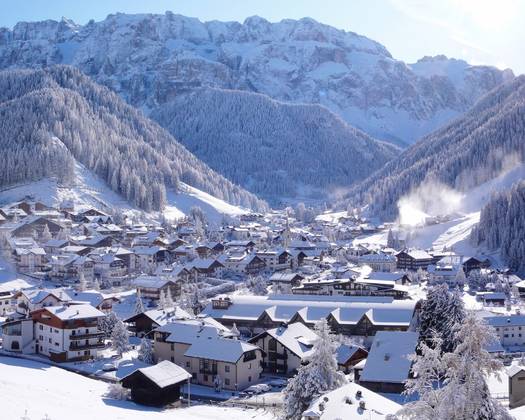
[163, 374]
[344, 403]
[345, 309]
[38, 295]
[345, 352]
[207, 339]
[163, 316]
[93, 297]
[514, 370]
[66, 313]
[378, 276]
[296, 337]
[389, 357]
[505, 320]
[151, 282]
[284, 276]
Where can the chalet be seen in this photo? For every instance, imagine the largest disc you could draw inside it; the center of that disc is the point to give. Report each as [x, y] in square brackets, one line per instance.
[69, 267]
[62, 333]
[102, 302]
[516, 375]
[413, 260]
[35, 225]
[209, 352]
[75, 249]
[150, 287]
[389, 363]
[286, 347]
[492, 298]
[475, 263]
[278, 259]
[206, 267]
[378, 277]
[29, 300]
[175, 272]
[145, 322]
[30, 260]
[156, 385]
[283, 282]
[108, 266]
[379, 261]
[349, 315]
[211, 249]
[510, 330]
[55, 246]
[349, 355]
[148, 256]
[246, 245]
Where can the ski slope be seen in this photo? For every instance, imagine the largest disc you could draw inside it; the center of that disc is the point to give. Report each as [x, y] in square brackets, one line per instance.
[87, 190]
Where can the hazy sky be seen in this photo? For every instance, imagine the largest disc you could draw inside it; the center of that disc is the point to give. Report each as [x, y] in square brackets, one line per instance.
[479, 31]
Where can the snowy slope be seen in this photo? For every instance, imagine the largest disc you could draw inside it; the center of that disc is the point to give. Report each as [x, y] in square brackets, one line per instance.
[44, 390]
[149, 59]
[87, 190]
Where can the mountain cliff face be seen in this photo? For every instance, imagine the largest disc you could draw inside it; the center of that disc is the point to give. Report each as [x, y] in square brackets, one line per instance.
[150, 59]
[485, 142]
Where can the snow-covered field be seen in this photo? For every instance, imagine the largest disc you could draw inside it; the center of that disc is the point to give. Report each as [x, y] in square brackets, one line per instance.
[43, 390]
[89, 190]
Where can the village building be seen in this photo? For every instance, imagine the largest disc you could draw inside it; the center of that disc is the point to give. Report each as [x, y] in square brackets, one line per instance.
[62, 333]
[210, 352]
[516, 375]
[413, 260]
[389, 363]
[150, 287]
[283, 282]
[510, 330]
[379, 261]
[144, 323]
[156, 385]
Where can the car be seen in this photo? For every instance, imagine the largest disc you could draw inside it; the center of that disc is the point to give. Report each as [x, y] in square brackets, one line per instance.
[256, 389]
[265, 387]
[278, 383]
[109, 367]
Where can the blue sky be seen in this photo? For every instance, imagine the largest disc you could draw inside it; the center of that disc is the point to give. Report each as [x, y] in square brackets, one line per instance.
[479, 31]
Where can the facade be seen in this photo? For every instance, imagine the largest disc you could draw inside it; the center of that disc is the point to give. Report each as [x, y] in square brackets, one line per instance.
[349, 315]
[379, 261]
[156, 385]
[210, 353]
[516, 386]
[283, 282]
[62, 333]
[509, 329]
[413, 260]
[151, 287]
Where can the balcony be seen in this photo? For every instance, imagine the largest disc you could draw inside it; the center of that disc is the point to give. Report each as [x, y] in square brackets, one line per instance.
[86, 336]
[208, 370]
[277, 356]
[97, 345]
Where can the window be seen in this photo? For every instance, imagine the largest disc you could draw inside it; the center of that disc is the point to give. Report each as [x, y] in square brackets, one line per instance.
[226, 381]
[41, 327]
[205, 377]
[56, 344]
[249, 365]
[172, 346]
[249, 378]
[187, 364]
[227, 368]
[172, 359]
[49, 339]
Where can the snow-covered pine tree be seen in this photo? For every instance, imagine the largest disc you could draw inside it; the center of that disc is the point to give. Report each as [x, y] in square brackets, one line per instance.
[320, 375]
[139, 305]
[82, 284]
[96, 285]
[46, 234]
[461, 278]
[106, 324]
[145, 352]
[257, 285]
[169, 299]
[120, 338]
[161, 304]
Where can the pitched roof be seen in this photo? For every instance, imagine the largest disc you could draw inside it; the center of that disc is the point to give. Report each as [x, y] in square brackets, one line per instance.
[296, 337]
[66, 313]
[389, 357]
[163, 374]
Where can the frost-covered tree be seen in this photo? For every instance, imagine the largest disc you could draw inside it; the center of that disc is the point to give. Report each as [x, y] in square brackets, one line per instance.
[440, 313]
[162, 304]
[319, 376]
[257, 285]
[139, 305]
[454, 385]
[96, 285]
[82, 284]
[169, 299]
[107, 323]
[46, 234]
[461, 278]
[145, 352]
[120, 338]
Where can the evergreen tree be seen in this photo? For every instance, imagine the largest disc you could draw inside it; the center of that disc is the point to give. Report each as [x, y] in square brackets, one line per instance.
[319, 376]
[120, 338]
[145, 352]
[82, 284]
[106, 324]
[139, 305]
[169, 299]
[46, 234]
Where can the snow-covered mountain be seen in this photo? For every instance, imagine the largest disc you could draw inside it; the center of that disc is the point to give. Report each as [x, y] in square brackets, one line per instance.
[53, 119]
[288, 150]
[150, 59]
[486, 142]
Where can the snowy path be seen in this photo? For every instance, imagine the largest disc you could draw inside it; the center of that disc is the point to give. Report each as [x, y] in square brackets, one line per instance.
[62, 395]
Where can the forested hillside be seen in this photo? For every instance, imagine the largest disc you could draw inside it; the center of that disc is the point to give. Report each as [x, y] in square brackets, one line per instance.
[49, 118]
[269, 147]
[466, 153]
[502, 226]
